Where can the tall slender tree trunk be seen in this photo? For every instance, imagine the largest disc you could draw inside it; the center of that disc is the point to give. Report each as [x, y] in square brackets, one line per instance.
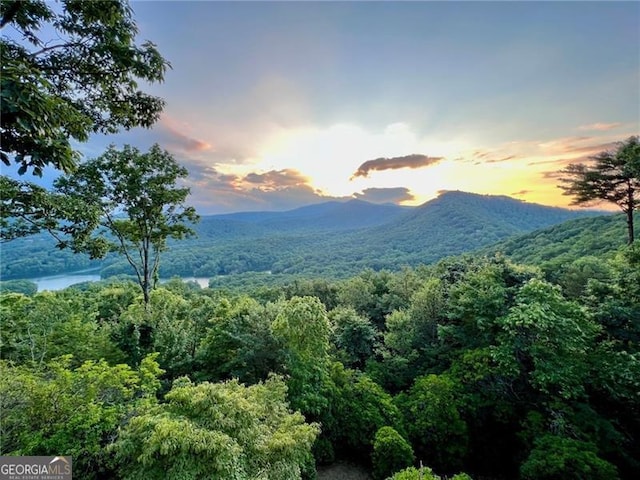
[630, 208]
[146, 286]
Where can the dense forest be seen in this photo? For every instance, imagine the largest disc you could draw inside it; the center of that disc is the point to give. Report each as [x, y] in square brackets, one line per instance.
[343, 331]
[474, 364]
[332, 240]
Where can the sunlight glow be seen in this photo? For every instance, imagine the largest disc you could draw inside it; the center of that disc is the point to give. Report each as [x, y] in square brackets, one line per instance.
[330, 157]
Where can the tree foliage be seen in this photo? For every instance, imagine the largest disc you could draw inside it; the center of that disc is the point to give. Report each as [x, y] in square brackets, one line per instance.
[433, 421]
[391, 453]
[303, 329]
[613, 176]
[223, 430]
[130, 204]
[69, 73]
[556, 457]
[546, 339]
[75, 411]
[514, 381]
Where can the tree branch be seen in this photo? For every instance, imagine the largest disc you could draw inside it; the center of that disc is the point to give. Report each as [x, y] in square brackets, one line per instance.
[10, 14]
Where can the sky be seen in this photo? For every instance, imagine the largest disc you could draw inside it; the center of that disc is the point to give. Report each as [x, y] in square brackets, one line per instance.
[275, 105]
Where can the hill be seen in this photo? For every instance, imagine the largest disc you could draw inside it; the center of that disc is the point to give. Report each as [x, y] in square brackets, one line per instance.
[333, 238]
[599, 236]
[323, 217]
[458, 222]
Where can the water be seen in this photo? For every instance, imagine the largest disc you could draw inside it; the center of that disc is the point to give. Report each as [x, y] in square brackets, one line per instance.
[60, 282]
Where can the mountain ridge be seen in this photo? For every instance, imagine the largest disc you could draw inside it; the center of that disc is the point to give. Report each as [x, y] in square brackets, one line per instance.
[332, 238]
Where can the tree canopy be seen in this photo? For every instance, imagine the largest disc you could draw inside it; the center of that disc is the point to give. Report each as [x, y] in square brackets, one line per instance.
[613, 176]
[69, 73]
[513, 381]
[221, 430]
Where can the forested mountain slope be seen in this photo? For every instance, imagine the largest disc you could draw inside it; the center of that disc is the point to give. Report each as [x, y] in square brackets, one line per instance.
[332, 238]
[598, 236]
[329, 216]
[458, 222]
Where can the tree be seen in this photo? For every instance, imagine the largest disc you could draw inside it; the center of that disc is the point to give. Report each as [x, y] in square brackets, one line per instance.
[303, 330]
[391, 453]
[424, 473]
[238, 342]
[358, 408]
[557, 457]
[546, 341]
[76, 411]
[217, 430]
[130, 204]
[69, 74]
[26, 287]
[354, 336]
[433, 421]
[614, 177]
[40, 328]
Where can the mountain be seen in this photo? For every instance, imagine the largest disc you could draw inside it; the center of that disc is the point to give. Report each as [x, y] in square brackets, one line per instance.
[600, 236]
[454, 223]
[322, 217]
[459, 221]
[332, 239]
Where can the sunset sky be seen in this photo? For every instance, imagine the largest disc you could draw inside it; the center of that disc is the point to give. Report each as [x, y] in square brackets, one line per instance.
[277, 105]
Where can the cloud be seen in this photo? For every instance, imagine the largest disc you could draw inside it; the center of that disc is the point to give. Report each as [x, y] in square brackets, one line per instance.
[575, 145]
[415, 160]
[552, 174]
[520, 193]
[504, 159]
[277, 179]
[600, 127]
[490, 156]
[385, 195]
[215, 192]
[177, 139]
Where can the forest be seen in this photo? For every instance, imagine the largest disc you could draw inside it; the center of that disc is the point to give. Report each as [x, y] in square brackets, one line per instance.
[475, 366]
[471, 337]
[331, 240]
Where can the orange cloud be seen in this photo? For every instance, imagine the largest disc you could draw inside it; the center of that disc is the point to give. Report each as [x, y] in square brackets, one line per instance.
[277, 179]
[181, 140]
[600, 127]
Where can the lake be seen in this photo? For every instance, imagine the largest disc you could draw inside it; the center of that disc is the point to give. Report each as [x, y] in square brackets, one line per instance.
[59, 282]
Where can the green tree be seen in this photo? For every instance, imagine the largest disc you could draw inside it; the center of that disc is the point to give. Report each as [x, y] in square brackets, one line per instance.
[50, 324]
[373, 295]
[613, 176]
[545, 340]
[129, 204]
[391, 453]
[564, 458]
[433, 421]
[78, 412]
[25, 287]
[68, 73]
[238, 342]
[354, 336]
[424, 473]
[303, 329]
[217, 430]
[166, 327]
[358, 407]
